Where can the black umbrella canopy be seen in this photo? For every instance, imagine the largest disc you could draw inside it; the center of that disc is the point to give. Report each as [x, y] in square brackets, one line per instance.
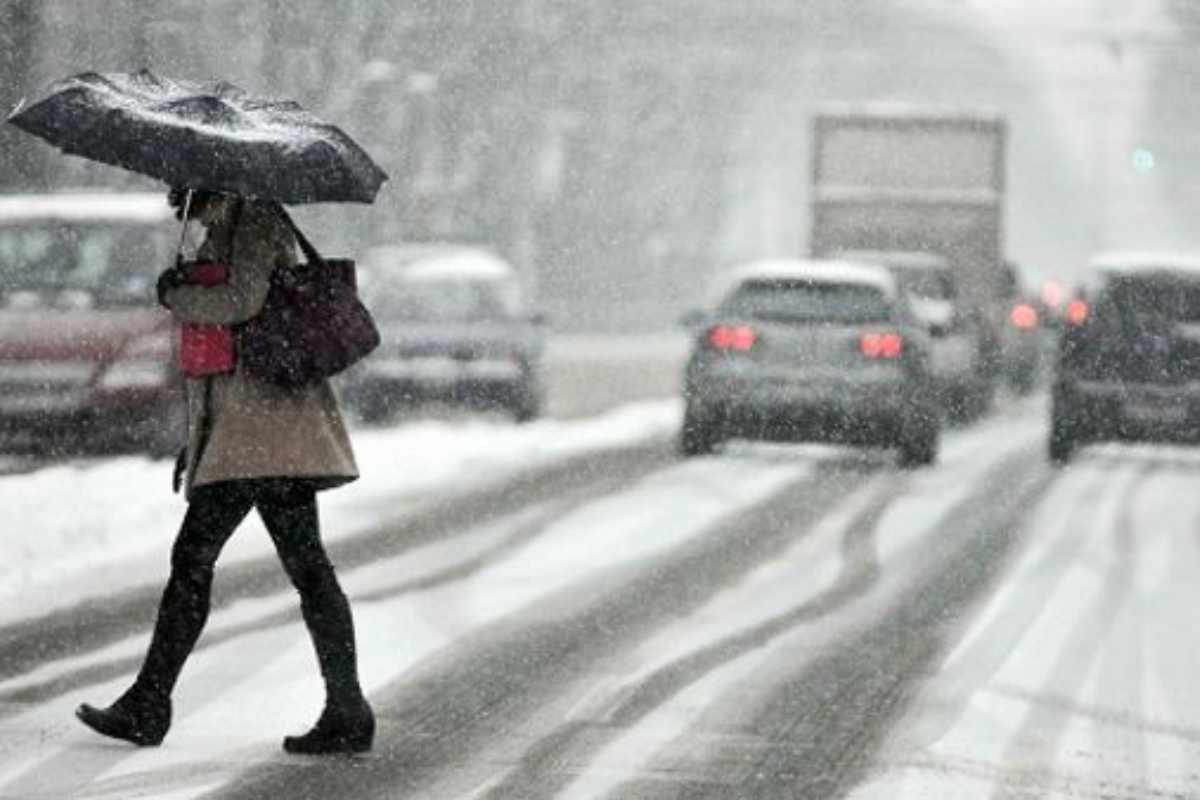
[203, 135]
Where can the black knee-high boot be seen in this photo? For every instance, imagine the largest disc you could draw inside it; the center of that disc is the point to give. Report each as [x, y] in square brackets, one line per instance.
[142, 714]
[347, 723]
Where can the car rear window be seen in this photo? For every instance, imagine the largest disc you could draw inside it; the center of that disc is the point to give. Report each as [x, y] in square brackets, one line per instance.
[1166, 296]
[115, 264]
[807, 301]
[930, 283]
[439, 301]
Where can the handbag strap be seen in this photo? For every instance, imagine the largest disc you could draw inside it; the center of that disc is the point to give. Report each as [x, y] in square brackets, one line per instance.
[306, 246]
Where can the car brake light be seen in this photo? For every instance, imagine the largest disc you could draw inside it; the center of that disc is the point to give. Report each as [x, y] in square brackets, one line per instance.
[732, 337]
[1052, 294]
[1024, 316]
[1078, 312]
[881, 345]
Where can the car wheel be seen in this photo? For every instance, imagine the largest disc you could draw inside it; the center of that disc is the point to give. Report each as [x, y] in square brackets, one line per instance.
[1066, 430]
[920, 439]
[700, 435]
[1069, 426]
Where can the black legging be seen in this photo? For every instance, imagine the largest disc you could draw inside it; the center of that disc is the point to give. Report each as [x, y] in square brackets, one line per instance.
[289, 510]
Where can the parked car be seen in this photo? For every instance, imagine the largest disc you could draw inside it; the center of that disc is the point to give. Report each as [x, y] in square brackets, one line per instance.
[86, 354]
[1128, 365]
[819, 350]
[455, 327]
[960, 339]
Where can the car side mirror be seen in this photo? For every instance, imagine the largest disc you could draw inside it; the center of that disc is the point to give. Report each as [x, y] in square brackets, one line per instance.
[938, 330]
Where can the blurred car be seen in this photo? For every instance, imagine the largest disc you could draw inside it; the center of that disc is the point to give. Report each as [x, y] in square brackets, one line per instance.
[1128, 365]
[86, 354]
[454, 327]
[1052, 300]
[959, 339]
[819, 350]
[1022, 340]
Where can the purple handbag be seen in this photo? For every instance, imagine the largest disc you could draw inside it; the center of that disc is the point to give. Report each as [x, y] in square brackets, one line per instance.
[313, 324]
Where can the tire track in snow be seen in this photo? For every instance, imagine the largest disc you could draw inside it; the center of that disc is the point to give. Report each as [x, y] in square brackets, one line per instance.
[388, 626]
[58, 679]
[541, 772]
[234, 671]
[1171, 663]
[958, 742]
[507, 734]
[658, 691]
[393, 639]
[1036, 742]
[502, 678]
[668, 688]
[809, 727]
[953, 741]
[1013, 611]
[92, 627]
[1121, 752]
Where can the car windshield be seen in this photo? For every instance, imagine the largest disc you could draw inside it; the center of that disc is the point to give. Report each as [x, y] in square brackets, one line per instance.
[439, 301]
[114, 264]
[1164, 296]
[807, 301]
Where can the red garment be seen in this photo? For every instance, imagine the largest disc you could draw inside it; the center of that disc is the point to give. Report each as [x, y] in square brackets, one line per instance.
[206, 349]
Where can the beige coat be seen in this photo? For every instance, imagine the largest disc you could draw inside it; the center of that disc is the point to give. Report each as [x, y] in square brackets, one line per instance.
[256, 429]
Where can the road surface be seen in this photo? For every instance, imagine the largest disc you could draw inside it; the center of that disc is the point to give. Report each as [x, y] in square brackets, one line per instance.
[772, 621]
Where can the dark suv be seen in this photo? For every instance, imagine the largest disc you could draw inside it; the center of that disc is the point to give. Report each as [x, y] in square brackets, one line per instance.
[1129, 356]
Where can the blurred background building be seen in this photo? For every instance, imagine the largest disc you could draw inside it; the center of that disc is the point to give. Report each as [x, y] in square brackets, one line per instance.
[608, 149]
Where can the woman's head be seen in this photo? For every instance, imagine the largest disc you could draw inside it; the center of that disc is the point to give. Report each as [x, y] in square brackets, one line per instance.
[206, 207]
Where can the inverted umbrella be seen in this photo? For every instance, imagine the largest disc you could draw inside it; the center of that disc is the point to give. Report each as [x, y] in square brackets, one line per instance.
[203, 135]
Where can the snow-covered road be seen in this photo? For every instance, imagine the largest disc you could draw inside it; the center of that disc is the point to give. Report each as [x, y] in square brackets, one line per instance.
[766, 621]
[566, 609]
[1078, 678]
[83, 529]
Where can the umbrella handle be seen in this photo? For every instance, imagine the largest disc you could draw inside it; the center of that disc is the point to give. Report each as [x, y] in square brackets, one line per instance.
[187, 207]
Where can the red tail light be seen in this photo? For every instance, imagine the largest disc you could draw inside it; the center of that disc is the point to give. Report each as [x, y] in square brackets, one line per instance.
[881, 345]
[1078, 312]
[732, 337]
[1024, 316]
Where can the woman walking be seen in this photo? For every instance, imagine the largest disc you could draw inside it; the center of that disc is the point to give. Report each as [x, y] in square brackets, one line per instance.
[251, 445]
